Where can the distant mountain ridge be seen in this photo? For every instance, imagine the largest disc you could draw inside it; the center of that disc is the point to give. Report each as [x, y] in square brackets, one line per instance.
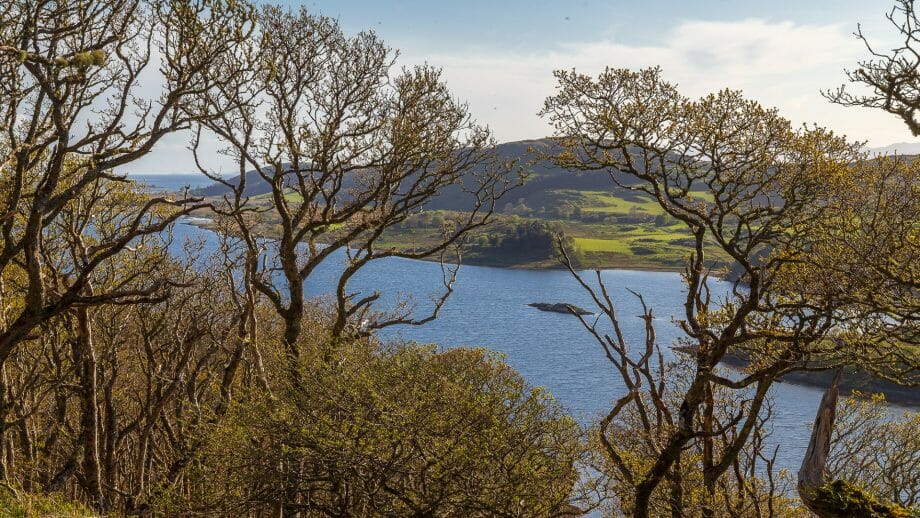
[255, 185]
[900, 148]
[545, 179]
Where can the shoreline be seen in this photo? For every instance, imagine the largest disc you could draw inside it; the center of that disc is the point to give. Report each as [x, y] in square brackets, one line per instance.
[207, 224]
[854, 380]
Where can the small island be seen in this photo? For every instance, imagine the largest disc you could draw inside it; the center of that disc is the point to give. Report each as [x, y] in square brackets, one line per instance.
[560, 307]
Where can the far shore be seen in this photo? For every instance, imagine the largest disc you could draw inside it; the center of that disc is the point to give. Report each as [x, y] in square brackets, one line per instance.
[490, 262]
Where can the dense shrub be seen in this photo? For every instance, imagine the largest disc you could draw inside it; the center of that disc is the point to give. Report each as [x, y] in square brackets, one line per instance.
[642, 249]
[395, 431]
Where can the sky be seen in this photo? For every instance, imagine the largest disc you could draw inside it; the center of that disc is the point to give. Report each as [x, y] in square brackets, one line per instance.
[499, 55]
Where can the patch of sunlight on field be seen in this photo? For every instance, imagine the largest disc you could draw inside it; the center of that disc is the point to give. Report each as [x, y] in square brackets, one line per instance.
[602, 245]
[597, 201]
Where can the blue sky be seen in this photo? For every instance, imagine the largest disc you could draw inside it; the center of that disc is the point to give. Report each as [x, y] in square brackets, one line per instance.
[499, 55]
[543, 24]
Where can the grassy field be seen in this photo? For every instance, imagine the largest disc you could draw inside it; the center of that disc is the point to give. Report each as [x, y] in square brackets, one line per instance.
[626, 229]
[603, 202]
[595, 244]
[644, 247]
[17, 503]
[613, 246]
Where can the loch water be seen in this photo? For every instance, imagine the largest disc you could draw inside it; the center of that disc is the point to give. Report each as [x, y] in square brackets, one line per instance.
[489, 308]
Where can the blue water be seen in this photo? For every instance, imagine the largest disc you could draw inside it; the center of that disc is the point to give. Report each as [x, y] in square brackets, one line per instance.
[171, 182]
[552, 350]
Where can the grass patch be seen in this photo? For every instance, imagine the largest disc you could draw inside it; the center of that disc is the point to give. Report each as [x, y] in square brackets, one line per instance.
[586, 244]
[623, 203]
[16, 503]
[598, 201]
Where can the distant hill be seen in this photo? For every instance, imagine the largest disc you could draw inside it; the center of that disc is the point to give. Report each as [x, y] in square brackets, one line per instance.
[255, 185]
[901, 148]
[610, 226]
[547, 185]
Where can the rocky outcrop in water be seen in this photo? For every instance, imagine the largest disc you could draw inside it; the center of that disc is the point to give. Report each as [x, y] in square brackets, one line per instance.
[560, 307]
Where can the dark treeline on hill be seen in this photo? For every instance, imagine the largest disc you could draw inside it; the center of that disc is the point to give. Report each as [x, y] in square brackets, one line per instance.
[507, 240]
[527, 241]
[136, 382]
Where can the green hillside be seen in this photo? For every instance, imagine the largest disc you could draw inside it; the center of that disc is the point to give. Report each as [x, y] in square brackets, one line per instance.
[605, 225]
[603, 230]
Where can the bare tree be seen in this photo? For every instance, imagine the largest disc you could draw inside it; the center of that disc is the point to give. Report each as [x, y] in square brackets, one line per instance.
[349, 150]
[72, 112]
[631, 437]
[744, 182]
[891, 76]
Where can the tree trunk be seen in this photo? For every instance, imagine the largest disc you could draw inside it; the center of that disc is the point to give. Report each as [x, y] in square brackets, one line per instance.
[89, 419]
[3, 412]
[813, 474]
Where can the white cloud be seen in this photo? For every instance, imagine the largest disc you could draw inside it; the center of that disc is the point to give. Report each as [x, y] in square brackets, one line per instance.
[780, 64]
